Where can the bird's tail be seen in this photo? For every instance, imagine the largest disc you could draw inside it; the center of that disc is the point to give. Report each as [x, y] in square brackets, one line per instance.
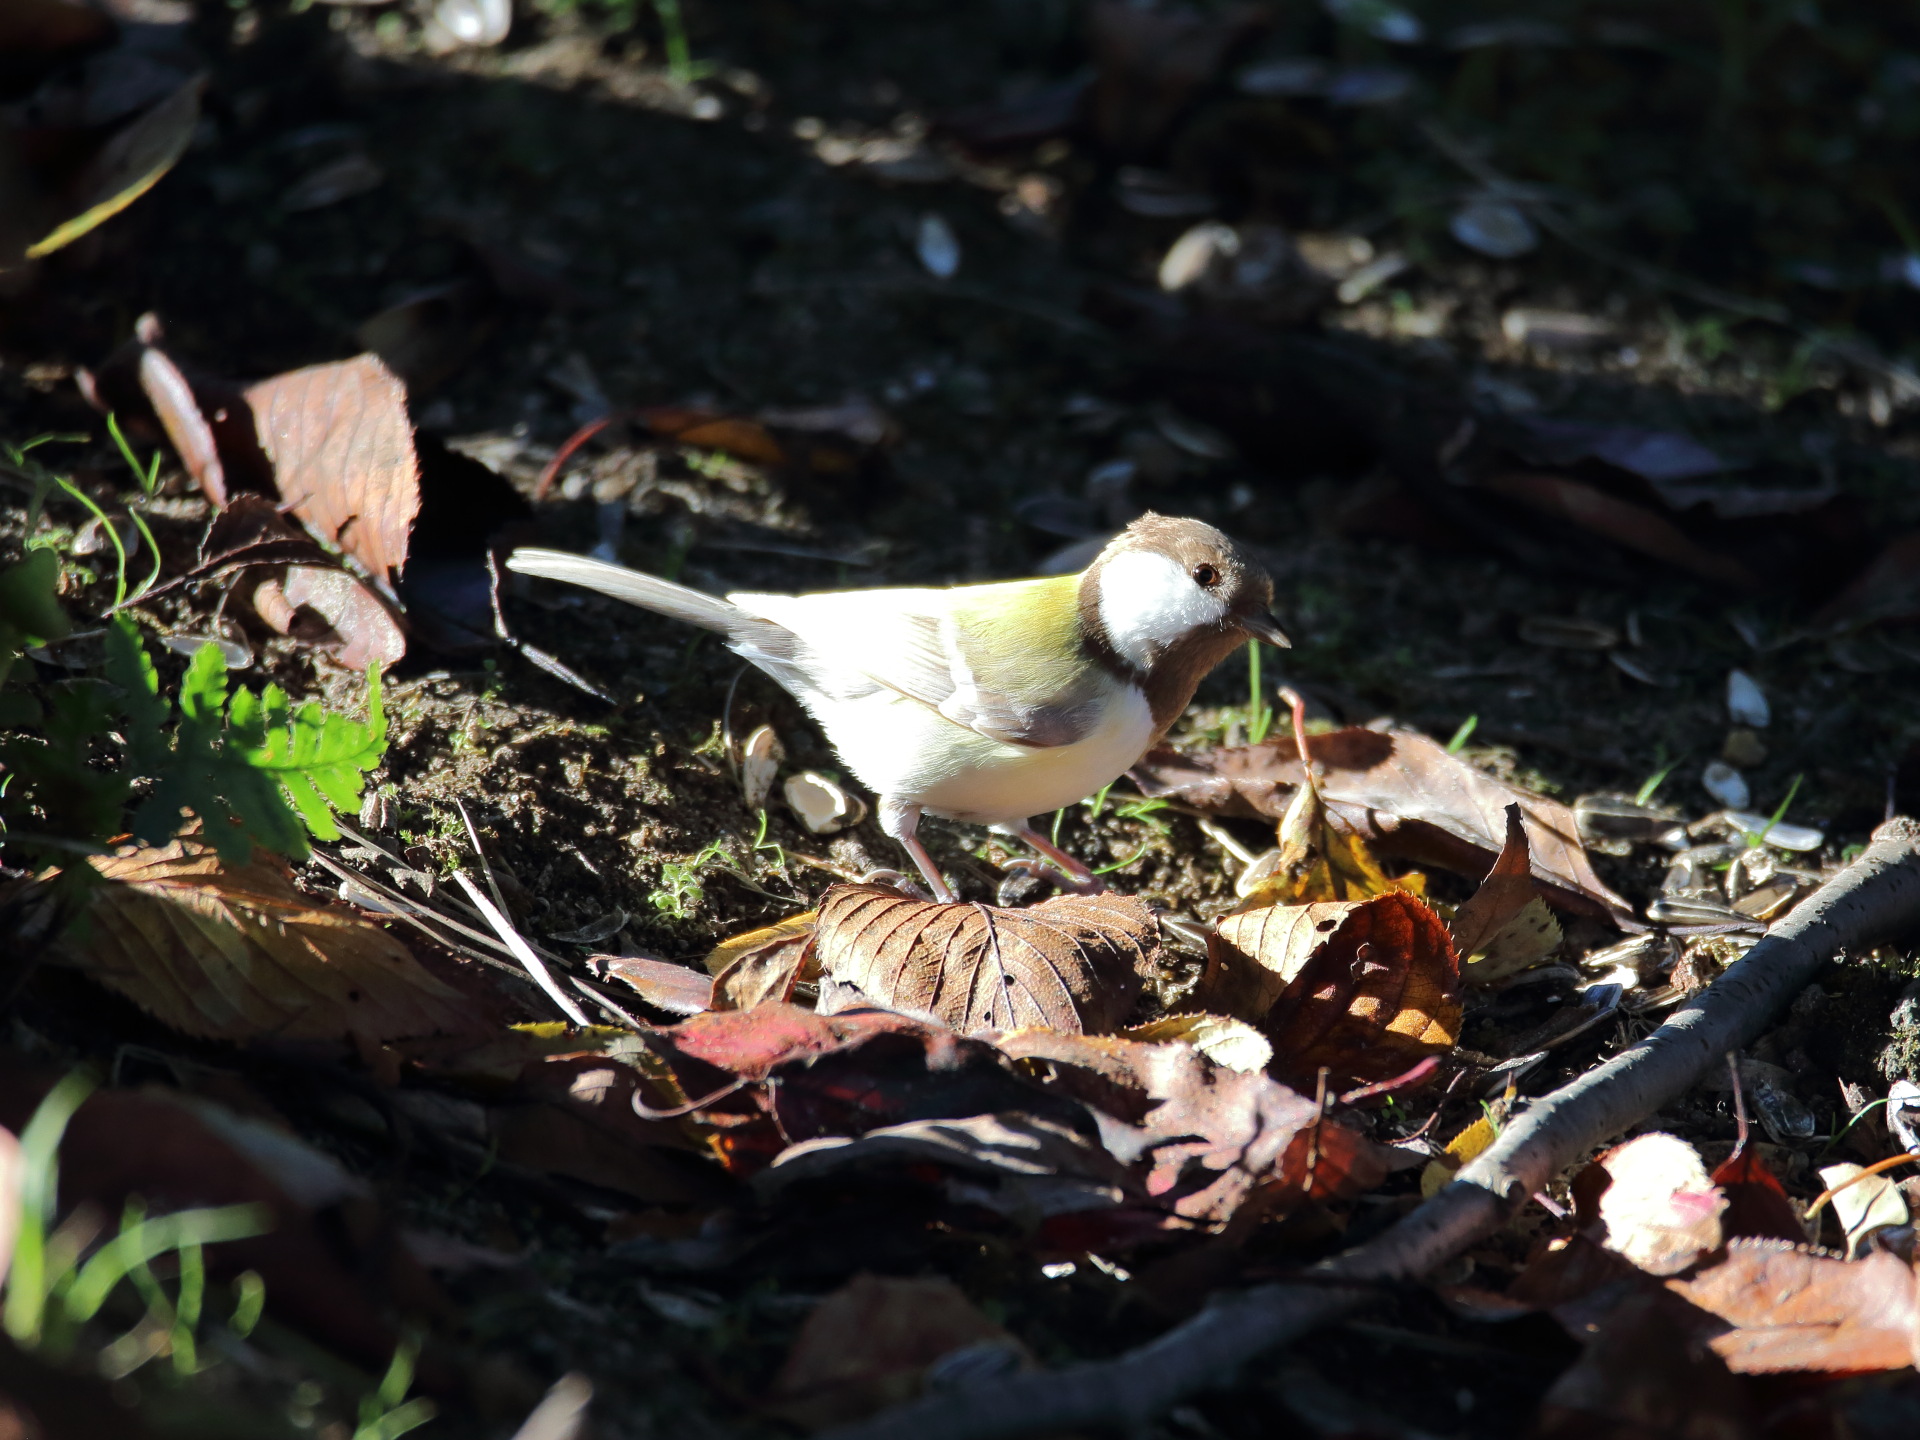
[649, 592]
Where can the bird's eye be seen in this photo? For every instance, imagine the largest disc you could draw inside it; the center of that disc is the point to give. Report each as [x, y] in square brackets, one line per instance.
[1205, 576]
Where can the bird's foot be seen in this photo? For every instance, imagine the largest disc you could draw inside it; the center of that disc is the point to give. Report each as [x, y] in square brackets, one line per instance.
[1056, 875]
[895, 880]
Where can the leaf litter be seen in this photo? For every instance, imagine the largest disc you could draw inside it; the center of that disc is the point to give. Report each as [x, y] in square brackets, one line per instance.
[1054, 1089]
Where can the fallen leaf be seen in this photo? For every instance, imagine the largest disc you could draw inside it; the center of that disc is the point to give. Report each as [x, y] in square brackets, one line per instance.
[557, 1100]
[1645, 1375]
[760, 1080]
[1364, 988]
[1505, 926]
[763, 964]
[1461, 1151]
[869, 1345]
[131, 163]
[1071, 963]
[1017, 1166]
[352, 624]
[710, 430]
[343, 456]
[1405, 794]
[1655, 1203]
[235, 952]
[1757, 1203]
[1789, 1309]
[662, 984]
[1222, 1039]
[1206, 1140]
[1316, 860]
[1864, 1206]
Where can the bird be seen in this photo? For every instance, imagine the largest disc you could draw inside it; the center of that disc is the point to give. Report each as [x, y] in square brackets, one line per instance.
[987, 703]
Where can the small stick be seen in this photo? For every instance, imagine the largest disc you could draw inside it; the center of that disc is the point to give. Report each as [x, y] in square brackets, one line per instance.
[493, 888]
[523, 952]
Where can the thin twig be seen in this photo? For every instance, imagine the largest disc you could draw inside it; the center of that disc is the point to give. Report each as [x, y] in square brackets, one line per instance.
[1878, 894]
[523, 952]
[493, 887]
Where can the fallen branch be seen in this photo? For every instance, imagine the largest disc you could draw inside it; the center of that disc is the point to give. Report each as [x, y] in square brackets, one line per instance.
[1877, 895]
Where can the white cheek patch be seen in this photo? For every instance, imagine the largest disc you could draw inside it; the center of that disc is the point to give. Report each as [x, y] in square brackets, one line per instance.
[1147, 603]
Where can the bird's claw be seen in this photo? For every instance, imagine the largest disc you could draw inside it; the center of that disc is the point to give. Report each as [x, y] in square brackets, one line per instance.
[1057, 876]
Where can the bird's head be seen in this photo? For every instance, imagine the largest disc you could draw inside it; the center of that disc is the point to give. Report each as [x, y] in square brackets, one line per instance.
[1169, 599]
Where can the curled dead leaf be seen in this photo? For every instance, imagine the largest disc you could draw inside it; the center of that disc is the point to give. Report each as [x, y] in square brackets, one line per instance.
[1073, 963]
[1363, 988]
[763, 964]
[1404, 793]
[235, 952]
[1505, 927]
[1222, 1039]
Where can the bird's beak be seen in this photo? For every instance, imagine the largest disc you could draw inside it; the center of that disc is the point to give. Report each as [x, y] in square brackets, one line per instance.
[1265, 627]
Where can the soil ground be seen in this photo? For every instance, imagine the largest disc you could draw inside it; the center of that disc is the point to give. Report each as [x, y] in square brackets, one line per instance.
[721, 262]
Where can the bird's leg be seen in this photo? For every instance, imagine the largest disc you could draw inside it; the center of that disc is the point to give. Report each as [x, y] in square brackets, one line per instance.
[1072, 874]
[900, 819]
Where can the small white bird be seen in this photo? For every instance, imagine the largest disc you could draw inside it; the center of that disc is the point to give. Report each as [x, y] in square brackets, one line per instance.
[987, 703]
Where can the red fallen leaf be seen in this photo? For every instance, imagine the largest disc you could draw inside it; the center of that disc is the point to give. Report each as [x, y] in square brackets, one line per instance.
[1757, 1204]
[1626, 524]
[343, 457]
[1207, 1140]
[1364, 988]
[1644, 1375]
[759, 1080]
[1405, 794]
[1786, 1309]
[869, 1344]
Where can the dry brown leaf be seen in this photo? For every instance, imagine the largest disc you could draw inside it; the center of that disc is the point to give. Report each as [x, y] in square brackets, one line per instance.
[868, 1345]
[1206, 1139]
[1364, 988]
[1793, 1310]
[1072, 963]
[343, 456]
[360, 631]
[1404, 793]
[236, 953]
[763, 964]
[676, 989]
[1505, 927]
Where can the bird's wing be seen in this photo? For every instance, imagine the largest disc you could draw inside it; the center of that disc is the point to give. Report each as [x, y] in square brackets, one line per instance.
[1003, 660]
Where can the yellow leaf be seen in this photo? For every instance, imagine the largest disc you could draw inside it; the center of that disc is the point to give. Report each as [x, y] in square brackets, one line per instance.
[1222, 1039]
[1462, 1150]
[129, 165]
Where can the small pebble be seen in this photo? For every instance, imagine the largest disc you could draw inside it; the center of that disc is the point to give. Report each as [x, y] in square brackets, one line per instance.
[1727, 785]
[1746, 701]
